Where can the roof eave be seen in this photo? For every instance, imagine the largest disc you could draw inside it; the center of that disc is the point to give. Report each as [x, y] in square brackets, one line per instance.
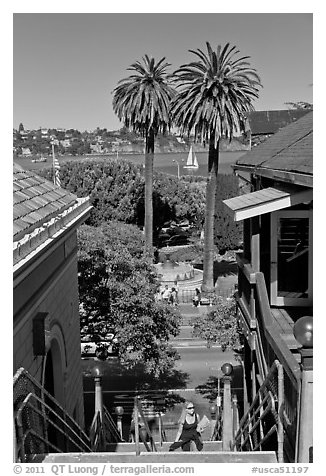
[287, 176]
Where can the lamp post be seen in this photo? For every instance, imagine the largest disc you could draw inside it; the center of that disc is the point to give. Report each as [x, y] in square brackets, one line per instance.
[303, 332]
[178, 165]
[97, 374]
[227, 370]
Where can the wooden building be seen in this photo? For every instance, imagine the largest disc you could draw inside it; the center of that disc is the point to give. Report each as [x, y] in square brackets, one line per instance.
[275, 289]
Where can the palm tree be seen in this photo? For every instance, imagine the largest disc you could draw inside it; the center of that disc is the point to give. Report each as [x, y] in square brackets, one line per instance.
[142, 103]
[215, 94]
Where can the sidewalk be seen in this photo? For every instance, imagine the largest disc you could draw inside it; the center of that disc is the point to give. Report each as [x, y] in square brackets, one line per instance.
[190, 314]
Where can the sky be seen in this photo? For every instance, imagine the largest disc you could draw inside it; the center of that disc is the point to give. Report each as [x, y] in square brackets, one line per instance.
[66, 65]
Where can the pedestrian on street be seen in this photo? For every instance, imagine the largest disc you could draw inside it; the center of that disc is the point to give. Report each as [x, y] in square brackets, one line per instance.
[188, 430]
[176, 287]
[173, 297]
[197, 298]
[166, 293]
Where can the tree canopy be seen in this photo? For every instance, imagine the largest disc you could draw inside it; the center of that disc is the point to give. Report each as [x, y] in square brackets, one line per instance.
[220, 325]
[117, 286]
[116, 190]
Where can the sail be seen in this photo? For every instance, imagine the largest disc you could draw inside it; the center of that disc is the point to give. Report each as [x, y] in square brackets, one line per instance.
[189, 160]
[192, 162]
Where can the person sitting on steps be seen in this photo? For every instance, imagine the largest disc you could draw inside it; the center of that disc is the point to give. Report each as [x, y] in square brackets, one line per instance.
[188, 430]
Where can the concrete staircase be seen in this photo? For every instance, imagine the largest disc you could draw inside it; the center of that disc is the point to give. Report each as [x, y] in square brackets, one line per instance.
[125, 453]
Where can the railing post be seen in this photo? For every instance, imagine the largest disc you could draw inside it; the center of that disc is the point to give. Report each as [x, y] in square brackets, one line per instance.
[303, 332]
[119, 411]
[305, 436]
[235, 414]
[280, 429]
[98, 397]
[227, 370]
[136, 421]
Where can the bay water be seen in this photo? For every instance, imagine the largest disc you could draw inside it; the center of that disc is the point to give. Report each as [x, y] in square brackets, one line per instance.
[163, 162]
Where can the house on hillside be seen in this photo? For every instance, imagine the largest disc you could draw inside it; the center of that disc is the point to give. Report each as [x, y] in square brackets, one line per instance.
[275, 289]
[46, 334]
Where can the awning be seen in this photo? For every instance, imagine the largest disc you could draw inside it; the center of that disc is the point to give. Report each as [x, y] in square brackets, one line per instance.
[265, 201]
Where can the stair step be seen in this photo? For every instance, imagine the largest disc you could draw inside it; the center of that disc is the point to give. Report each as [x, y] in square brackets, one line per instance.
[164, 457]
[130, 447]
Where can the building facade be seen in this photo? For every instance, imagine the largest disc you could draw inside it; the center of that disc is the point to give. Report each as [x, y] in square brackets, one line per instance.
[275, 289]
[46, 333]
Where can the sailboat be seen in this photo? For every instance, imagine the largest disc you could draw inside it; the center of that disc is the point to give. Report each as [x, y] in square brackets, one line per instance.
[192, 162]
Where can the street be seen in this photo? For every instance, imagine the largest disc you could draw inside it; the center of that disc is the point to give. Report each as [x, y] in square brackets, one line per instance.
[195, 378]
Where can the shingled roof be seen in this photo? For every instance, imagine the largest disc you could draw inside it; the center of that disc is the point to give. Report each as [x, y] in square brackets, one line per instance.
[36, 201]
[290, 149]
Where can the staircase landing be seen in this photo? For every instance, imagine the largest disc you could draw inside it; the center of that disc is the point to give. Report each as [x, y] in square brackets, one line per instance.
[164, 457]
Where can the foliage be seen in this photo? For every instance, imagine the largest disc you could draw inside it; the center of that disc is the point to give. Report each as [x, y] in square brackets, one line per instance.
[117, 285]
[220, 325]
[116, 190]
[227, 232]
[142, 100]
[114, 187]
[186, 199]
[215, 93]
[190, 254]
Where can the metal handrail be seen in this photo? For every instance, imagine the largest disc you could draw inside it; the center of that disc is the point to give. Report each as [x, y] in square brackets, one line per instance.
[74, 438]
[96, 433]
[265, 404]
[110, 426]
[161, 429]
[138, 412]
[103, 430]
[31, 398]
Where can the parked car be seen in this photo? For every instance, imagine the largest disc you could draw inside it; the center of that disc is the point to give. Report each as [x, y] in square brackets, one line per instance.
[93, 344]
[177, 240]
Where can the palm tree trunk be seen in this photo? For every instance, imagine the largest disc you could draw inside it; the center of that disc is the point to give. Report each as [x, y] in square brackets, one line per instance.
[149, 162]
[213, 160]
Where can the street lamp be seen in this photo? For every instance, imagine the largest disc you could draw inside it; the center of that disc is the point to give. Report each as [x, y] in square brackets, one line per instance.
[97, 374]
[178, 165]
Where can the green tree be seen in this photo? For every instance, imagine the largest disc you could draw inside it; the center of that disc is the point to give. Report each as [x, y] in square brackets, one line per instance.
[142, 103]
[117, 287]
[214, 95]
[220, 326]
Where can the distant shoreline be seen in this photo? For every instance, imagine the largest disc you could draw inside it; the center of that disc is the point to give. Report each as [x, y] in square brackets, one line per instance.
[163, 162]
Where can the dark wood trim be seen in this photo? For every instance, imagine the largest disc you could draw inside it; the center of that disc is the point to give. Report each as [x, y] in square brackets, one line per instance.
[246, 268]
[255, 243]
[283, 175]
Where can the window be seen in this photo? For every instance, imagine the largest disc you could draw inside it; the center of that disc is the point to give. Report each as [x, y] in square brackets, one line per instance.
[291, 256]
